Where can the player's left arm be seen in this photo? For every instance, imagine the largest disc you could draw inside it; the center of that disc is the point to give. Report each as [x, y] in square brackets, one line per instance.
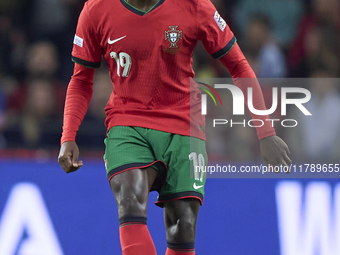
[273, 149]
[220, 43]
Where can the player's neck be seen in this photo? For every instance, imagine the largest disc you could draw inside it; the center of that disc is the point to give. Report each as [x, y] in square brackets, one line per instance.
[144, 5]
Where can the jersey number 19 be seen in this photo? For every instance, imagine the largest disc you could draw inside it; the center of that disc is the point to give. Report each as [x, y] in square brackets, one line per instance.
[123, 61]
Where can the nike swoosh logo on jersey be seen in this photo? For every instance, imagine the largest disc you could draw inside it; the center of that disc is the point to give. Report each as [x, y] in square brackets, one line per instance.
[114, 41]
[197, 186]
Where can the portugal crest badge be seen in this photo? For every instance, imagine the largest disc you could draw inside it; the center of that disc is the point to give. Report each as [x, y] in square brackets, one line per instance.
[173, 35]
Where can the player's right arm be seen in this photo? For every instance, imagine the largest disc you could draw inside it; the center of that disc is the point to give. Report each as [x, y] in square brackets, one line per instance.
[86, 54]
[78, 96]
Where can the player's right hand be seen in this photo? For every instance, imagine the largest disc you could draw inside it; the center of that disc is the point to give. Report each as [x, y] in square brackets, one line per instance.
[68, 157]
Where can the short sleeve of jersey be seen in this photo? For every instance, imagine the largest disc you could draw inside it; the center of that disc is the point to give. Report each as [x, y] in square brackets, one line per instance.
[86, 47]
[213, 31]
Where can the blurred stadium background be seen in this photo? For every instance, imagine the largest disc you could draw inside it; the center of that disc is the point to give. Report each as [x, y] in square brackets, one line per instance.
[45, 212]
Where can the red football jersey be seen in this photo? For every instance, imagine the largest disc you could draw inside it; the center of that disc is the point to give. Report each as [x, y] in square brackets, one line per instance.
[149, 55]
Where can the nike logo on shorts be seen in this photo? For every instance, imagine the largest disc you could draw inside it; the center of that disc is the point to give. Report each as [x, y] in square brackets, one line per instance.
[116, 40]
[197, 186]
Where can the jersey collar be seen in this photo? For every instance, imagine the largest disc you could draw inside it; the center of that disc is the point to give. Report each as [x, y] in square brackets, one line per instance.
[138, 11]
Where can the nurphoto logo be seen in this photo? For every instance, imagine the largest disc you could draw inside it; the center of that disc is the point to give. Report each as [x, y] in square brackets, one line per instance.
[239, 103]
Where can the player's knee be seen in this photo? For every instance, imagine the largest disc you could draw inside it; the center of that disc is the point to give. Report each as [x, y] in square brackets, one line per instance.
[131, 205]
[131, 197]
[182, 231]
[187, 226]
[130, 200]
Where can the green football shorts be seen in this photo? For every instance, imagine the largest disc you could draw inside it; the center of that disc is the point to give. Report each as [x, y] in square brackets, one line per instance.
[179, 160]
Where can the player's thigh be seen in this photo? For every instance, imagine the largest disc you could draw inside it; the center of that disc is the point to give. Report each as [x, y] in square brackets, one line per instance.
[126, 148]
[131, 190]
[130, 168]
[186, 174]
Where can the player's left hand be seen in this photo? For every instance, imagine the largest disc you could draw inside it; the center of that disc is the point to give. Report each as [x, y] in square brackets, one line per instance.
[275, 151]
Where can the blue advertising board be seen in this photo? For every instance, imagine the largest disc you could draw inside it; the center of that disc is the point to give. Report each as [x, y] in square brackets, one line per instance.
[45, 211]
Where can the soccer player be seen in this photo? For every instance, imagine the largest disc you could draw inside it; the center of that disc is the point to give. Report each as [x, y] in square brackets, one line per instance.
[151, 143]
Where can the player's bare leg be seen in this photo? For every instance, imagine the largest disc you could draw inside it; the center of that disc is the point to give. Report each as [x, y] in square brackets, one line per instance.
[180, 217]
[131, 191]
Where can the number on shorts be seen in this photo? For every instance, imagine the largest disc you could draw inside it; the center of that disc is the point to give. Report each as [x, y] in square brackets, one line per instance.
[198, 162]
